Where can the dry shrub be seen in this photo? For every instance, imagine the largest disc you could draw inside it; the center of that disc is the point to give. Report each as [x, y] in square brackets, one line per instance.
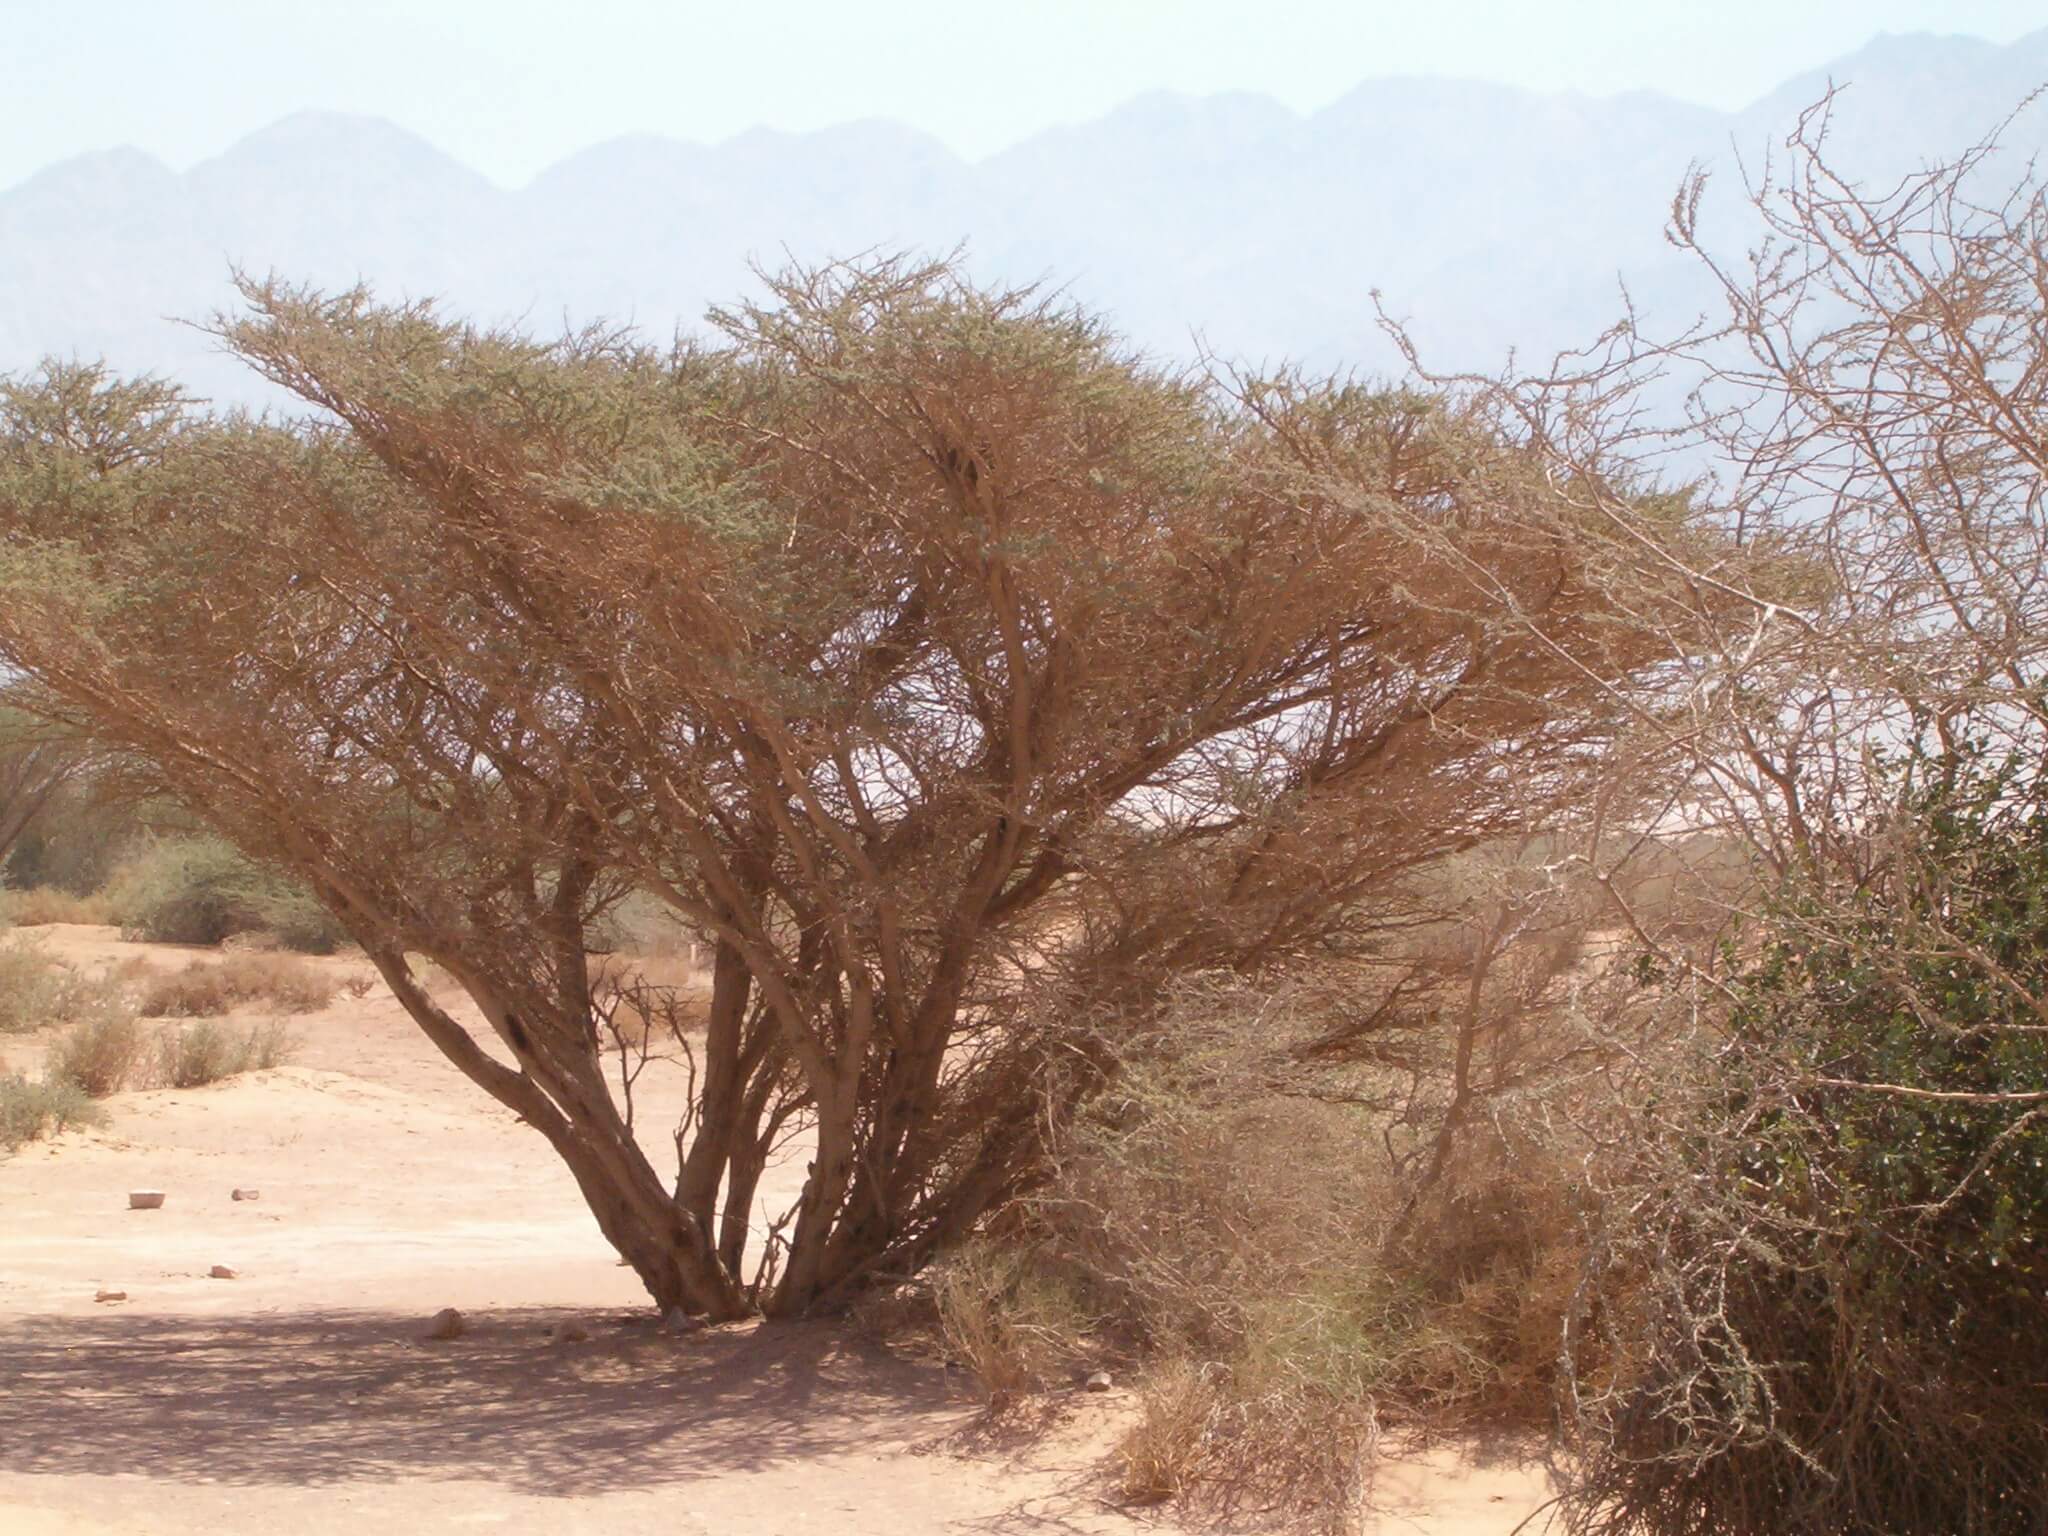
[100, 1053]
[30, 1110]
[645, 1002]
[195, 1055]
[358, 987]
[209, 988]
[36, 990]
[44, 904]
[29, 984]
[1237, 1220]
[1177, 1409]
[1014, 1319]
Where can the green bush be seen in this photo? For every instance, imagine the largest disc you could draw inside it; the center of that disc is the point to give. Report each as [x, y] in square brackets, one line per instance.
[1822, 1310]
[201, 890]
[31, 1110]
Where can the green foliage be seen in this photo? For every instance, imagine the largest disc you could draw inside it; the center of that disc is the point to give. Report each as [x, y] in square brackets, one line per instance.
[1931, 984]
[30, 1110]
[1846, 1259]
[199, 889]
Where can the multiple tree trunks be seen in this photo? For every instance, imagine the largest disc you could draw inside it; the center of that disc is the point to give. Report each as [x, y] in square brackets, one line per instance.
[958, 676]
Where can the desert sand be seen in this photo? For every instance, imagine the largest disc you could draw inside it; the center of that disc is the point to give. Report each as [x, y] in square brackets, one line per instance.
[302, 1394]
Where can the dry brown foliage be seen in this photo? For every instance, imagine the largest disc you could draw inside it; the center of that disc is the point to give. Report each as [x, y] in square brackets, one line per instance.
[960, 677]
[102, 1054]
[209, 988]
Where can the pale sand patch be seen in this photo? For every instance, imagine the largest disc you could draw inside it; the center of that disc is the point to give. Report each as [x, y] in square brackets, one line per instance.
[300, 1395]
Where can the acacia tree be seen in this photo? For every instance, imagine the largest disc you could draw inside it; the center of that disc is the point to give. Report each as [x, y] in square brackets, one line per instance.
[959, 675]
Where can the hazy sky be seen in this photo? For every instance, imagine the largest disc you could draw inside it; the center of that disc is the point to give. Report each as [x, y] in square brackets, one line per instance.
[510, 86]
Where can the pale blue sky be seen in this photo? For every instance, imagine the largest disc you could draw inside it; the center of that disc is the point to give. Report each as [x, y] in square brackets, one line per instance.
[510, 86]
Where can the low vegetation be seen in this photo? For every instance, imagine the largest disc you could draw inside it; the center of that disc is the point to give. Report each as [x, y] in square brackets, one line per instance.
[33, 1109]
[208, 988]
[102, 1054]
[36, 990]
[1246, 1231]
[43, 904]
[194, 1055]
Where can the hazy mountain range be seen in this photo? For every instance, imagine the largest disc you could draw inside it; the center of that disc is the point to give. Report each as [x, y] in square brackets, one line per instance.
[1488, 215]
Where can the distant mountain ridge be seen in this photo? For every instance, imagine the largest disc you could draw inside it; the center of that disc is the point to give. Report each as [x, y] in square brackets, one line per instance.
[1490, 216]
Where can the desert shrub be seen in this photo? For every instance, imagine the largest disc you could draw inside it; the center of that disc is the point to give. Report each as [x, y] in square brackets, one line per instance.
[194, 1055]
[196, 889]
[1163, 1448]
[643, 1004]
[1007, 1313]
[36, 990]
[208, 988]
[266, 1046]
[99, 1053]
[31, 1109]
[1819, 1304]
[29, 985]
[1227, 1217]
[43, 904]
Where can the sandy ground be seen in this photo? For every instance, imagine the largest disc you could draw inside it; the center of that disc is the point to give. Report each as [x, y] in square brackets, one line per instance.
[301, 1394]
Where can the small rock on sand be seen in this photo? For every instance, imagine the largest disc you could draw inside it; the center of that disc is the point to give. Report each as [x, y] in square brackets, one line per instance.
[568, 1331]
[220, 1272]
[145, 1199]
[110, 1296]
[676, 1320]
[1098, 1381]
[447, 1324]
[247, 1194]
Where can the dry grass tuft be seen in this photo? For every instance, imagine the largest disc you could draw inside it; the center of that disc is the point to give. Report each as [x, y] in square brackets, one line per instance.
[1009, 1317]
[209, 988]
[1163, 1450]
[1245, 1229]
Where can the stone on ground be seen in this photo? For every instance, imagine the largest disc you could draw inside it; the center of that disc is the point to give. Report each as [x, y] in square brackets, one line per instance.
[447, 1324]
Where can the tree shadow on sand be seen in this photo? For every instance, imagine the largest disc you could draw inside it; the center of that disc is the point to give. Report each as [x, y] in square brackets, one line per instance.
[318, 1398]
